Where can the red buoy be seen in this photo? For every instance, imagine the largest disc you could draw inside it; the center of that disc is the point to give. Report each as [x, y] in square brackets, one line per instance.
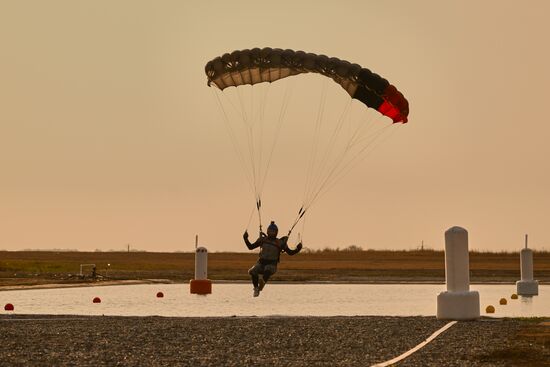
[96, 300]
[160, 295]
[8, 307]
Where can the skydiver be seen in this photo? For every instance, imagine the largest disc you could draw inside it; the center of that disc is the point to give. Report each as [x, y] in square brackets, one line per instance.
[270, 254]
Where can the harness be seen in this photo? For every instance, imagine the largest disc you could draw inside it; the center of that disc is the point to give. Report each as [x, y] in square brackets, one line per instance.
[274, 243]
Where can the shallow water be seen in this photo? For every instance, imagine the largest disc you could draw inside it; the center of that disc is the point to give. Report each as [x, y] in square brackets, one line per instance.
[276, 299]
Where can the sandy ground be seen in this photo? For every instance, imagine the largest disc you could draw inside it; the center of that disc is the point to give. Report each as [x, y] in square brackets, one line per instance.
[274, 341]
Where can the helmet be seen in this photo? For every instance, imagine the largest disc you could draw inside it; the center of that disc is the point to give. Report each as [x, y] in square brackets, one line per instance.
[273, 228]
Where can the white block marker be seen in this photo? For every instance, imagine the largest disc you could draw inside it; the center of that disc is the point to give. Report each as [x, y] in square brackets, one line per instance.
[527, 286]
[458, 302]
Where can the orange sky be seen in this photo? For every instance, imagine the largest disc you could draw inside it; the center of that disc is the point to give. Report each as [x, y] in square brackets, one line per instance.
[109, 134]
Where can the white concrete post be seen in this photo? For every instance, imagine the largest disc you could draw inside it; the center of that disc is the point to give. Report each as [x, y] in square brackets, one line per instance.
[201, 284]
[458, 302]
[527, 286]
[526, 263]
[457, 260]
[201, 263]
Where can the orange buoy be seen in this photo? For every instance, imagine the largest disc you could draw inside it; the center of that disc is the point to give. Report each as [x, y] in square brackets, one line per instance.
[160, 295]
[201, 286]
[8, 307]
[96, 300]
[514, 296]
[490, 309]
[503, 301]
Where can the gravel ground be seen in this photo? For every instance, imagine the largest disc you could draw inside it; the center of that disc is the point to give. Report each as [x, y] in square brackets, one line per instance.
[251, 341]
[488, 342]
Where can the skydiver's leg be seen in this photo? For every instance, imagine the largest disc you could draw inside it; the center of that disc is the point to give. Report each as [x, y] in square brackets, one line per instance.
[254, 274]
[269, 270]
[255, 280]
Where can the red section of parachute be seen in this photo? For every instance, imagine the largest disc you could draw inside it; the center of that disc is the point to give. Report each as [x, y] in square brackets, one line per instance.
[387, 109]
[395, 105]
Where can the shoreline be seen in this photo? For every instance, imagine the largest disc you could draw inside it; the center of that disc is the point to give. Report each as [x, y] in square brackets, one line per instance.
[275, 282]
[83, 284]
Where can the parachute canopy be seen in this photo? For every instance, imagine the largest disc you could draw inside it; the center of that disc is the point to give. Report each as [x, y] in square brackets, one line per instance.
[270, 64]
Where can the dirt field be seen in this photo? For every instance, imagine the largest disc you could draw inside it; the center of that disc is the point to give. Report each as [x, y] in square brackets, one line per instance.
[39, 267]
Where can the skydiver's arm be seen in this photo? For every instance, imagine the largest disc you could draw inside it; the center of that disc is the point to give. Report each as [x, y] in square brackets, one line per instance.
[251, 246]
[288, 250]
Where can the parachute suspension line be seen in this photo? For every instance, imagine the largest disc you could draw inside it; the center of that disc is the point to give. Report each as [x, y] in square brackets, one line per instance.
[259, 162]
[324, 165]
[324, 160]
[248, 121]
[360, 156]
[319, 171]
[253, 124]
[262, 173]
[329, 174]
[360, 133]
[249, 129]
[257, 121]
[315, 169]
[316, 135]
[258, 192]
[234, 141]
[337, 164]
[301, 213]
[254, 154]
[259, 207]
[339, 171]
[261, 115]
[244, 162]
[301, 234]
[250, 140]
[313, 153]
[250, 217]
[280, 121]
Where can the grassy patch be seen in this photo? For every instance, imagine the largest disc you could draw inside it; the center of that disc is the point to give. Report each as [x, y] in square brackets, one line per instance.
[326, 265]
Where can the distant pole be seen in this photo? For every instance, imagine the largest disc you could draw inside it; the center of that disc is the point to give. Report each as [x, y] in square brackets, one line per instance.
[196, 241]
[526, 239]
[422, 246]
[128, 248]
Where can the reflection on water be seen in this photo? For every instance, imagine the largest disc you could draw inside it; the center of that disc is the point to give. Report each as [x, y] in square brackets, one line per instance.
[276, 299]
[526, 300]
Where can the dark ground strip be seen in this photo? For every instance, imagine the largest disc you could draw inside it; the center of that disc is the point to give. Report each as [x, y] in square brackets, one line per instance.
[256, 341]
[156, 341]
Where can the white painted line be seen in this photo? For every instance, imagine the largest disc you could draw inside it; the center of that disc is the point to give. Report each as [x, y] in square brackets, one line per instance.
[418, 347]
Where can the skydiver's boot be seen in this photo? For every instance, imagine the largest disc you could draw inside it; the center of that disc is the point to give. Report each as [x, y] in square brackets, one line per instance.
[255, 282]
[261, 283]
